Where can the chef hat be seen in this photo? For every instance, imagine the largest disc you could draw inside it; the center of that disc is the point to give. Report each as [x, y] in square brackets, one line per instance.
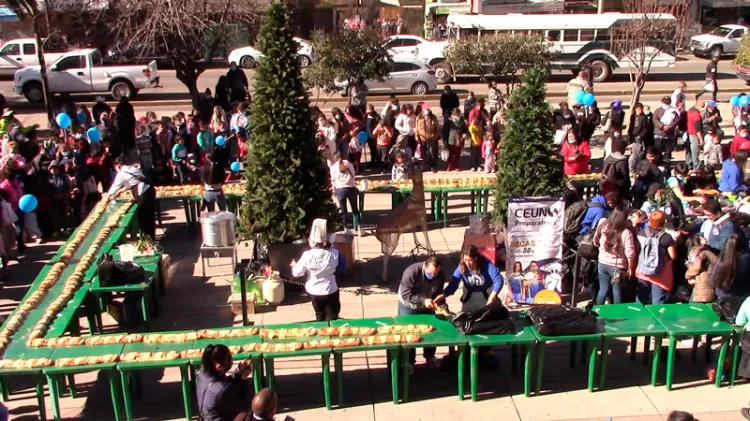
[319, 231]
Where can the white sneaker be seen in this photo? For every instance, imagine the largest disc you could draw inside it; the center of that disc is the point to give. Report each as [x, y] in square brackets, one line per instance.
[433, 363]
[473, 170]
[411, 369]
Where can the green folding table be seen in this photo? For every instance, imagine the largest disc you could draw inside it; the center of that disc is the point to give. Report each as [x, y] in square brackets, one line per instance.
[55, 374]
[393, 354]
[479, 200]
[690, 320]
[445, 334]
[126, 369]
[254, 357]
[324, 353]
[145, 289]
[67, 318]
[524, 336]
[631, 320]
[21, 352]
[148, 259]
[736, 338]
[593, 340]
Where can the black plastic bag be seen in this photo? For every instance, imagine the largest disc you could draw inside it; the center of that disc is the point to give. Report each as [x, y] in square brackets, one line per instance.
[491, 319]
[558, 320]
[727, 308]
[124, 273]
[105, 267]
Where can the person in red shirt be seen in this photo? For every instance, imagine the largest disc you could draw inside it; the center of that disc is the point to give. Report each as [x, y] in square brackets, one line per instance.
[740, 141]
[477, 111]
[694, 128]
[576, 155]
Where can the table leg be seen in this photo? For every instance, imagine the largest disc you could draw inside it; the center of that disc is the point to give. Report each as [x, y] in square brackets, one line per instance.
[633, 347]
[75, 328]
[405, 373]
[474, 371]
[395, 357]
[486, 194]
[461, 367]
[257, 373]
[72, 385]
[694, 348]
[114, 390]
[539, 366]
[670, 360]
[708, 348]
[4, 391]
[40, 397]
[527, 370]
[326, 360]
[646, 349]
[603, 364]
[52, 383]
[473, 202]
[99, 311]
[188, 211]
[186, 396]
[592, 364]
[584, 351]
[722, 357]
[338, 360]
[573, 350]
[270, 379]
[126, 399]
[735, 358]
[657, 358]
[145, 308]
[444, 198]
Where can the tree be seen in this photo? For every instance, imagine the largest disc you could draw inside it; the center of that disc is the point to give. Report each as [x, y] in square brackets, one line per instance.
[189, 34]
[348, 55]
[501, 55]
[640, 41]
[288, 185]
[527, 158]
[743, 54]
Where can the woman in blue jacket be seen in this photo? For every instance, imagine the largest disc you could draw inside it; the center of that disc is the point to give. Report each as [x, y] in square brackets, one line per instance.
[732, 174]
[481, 278]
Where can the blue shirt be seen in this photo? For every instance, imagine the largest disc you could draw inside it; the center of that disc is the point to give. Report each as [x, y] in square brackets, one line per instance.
[731, 178]
[476, 281]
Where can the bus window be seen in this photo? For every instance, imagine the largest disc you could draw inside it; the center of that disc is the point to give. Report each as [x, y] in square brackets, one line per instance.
[602, 35]
[587, 34]
[553, 36]
[540, 34]
[570, 35]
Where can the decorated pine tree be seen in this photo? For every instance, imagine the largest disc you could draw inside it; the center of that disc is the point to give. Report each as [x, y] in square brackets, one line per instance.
[528, 164]
[287, 183]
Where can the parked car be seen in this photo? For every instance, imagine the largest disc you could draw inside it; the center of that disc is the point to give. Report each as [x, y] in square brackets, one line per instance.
[249, 57]
[430, 52]
[19, 53]
[408, 75]
[84, 71]
[133, 54]
[722, 41]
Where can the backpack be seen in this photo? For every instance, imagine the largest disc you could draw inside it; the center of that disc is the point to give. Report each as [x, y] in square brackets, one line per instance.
[651, 258]
[609, 173]
[574, 215]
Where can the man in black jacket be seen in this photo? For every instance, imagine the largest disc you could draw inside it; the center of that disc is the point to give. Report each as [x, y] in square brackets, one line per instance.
[448, 102]
[615, 168]
[421, 283]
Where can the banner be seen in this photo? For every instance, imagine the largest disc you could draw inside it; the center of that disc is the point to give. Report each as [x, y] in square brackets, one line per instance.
[534, 240]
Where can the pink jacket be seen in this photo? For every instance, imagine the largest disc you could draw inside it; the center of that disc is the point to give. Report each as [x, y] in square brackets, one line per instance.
[13, 190]
[620, 258]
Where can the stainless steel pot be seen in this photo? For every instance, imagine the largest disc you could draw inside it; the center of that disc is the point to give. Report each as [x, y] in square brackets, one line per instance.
[217, 229]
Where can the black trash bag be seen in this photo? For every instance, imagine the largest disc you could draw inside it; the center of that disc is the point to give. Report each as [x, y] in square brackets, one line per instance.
[125, 273]
[491, 319]
[727, 308]
[558, 320]
[105, 267]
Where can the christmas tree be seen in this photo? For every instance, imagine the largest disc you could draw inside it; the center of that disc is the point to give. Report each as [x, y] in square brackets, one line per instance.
[528, 164]
[287, 183]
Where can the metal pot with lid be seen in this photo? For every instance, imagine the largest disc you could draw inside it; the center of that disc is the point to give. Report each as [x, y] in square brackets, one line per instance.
[218, 228]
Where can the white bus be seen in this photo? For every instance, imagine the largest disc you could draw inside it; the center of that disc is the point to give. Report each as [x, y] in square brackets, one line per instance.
[578, 39]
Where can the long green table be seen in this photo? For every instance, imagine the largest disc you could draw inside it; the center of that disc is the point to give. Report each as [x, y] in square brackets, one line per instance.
[254, 357]
[479, 197]
[690, 320]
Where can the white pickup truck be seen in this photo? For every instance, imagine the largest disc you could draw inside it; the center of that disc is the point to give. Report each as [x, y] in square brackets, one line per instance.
[21, 52]
[84, 71]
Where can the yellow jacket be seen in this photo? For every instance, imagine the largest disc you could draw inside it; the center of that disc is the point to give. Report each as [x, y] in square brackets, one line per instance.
[476, 131]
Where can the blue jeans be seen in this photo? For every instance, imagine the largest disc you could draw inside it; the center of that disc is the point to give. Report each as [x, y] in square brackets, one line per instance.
[211, 197]
[428, 352]
[649, 293]
[351, 194]
[606, 272]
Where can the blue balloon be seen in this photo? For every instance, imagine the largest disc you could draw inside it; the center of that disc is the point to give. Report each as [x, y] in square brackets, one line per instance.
[588, 99]
[63, 120]
[81, 117]
[94, 135]
[28, 203]
[236, 166]
[578, 95]
[744, 100]
[221, 141]
[363, 137]
[734, 100]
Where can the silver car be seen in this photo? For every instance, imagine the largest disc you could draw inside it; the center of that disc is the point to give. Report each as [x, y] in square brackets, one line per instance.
[408, 75]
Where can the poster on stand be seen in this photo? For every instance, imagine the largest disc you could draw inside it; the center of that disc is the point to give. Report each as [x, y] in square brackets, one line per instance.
[534, 240]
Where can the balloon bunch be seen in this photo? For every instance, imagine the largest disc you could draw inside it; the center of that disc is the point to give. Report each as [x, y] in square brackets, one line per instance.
[739, 100]
[585, 98]
[63, 122]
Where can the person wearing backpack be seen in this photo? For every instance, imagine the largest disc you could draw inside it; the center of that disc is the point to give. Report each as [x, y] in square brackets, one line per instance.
[597, 208]
[617, 255]
[654, 272]
[616, 169]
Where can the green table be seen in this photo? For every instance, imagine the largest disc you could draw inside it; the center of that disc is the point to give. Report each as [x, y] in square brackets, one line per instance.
[398, 197]
[593, 340]
[55, 374]
[126, 369]
[21, 352]
[393, 354]
[445, 334]
[145, 289]
[690, 320]
[147, 259]
[254, 357]
[324, 353]
[631, 320]
[525, 337]
[67, 318]
[479, 200]
[736, 338]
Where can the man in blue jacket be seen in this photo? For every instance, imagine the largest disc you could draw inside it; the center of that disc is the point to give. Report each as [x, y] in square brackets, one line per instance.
[598, 208]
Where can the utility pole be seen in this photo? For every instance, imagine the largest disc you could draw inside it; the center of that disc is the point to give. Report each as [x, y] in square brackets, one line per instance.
[600, 6]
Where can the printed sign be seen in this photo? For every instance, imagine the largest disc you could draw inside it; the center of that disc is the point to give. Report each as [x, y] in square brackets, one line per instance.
[534, 246]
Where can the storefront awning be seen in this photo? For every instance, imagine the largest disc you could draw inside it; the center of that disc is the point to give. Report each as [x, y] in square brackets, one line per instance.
[393, 3]
[7, 14]
[721, 4]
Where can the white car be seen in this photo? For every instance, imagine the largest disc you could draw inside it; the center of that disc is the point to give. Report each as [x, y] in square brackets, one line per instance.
[430, 52]
[724, 40]
[248, 57]
[408, 75]
[19, 53]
